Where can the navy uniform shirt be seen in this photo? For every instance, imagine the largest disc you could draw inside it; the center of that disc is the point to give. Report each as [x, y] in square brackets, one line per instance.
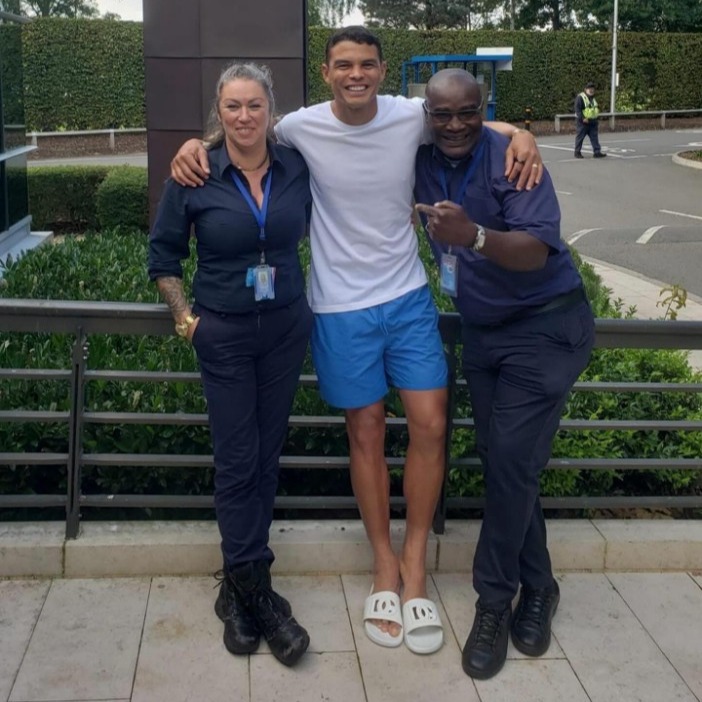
[487, 293]
[227, 235]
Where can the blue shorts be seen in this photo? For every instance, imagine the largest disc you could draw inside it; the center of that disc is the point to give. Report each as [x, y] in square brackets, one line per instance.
[358, 354]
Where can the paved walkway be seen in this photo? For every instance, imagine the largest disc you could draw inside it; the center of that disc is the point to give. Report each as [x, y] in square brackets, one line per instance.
[617, 638]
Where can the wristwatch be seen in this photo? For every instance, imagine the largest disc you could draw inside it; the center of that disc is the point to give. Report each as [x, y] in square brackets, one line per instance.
[479, 240]
[182, 327]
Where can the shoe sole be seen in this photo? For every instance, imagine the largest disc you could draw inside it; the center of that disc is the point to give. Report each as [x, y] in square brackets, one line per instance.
[482, 674]
[533, 651]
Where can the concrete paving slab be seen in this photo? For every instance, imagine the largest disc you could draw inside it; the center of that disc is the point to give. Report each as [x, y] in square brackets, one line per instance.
[397, 674]
[534, 679]
[651, 544]
[459, 597]
[318, 603]
[86, 642]
[613, 656]
[669, 605]
[326, 677]
[182, 656]
[20, 604]
[31, 549]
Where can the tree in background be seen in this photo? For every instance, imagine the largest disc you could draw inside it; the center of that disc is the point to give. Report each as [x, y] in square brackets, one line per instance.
[51, 8]
[432, 14]
[642, 16]
[328, 13]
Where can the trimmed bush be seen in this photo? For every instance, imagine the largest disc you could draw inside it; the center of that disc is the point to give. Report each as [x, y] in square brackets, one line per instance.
[122, 199]
[89, 74]
[62, 198]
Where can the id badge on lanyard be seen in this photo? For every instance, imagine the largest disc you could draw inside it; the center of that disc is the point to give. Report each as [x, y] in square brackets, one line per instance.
[261, 277]
[448, 266]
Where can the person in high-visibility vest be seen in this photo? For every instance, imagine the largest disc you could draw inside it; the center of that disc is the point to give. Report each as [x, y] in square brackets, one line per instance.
[586, 114]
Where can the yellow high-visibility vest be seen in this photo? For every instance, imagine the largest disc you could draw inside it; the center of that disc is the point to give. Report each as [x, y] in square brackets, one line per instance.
[590, 109]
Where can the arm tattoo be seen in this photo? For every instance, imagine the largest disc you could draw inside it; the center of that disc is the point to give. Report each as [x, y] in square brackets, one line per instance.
[171, 290]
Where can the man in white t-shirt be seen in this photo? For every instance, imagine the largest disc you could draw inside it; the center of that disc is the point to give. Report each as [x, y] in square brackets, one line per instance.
[375, 321]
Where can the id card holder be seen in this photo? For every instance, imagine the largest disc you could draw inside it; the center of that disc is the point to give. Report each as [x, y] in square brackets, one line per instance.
[263, 283]
[448, 277]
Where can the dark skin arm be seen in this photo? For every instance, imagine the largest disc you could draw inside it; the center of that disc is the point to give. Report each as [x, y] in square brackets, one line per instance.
[514, 250]
[190, 166]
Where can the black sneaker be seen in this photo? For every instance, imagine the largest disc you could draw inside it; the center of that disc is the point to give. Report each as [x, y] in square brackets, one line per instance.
[599, 154]
[486, 648]
[286, 638]
[531, 625]
[577, 154]
[241, 633]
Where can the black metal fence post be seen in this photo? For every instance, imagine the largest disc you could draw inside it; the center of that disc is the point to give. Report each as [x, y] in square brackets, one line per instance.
[75, 433]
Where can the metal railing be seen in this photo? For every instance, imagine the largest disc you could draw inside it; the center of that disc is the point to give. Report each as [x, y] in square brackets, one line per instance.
[110, 133]
[83, 319]
[644, 113]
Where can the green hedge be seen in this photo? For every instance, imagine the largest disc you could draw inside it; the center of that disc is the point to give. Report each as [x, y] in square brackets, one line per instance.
[83, 74]
[122, 199]
[110, 267]
[63, 198]
[89, 74]
[74, 199]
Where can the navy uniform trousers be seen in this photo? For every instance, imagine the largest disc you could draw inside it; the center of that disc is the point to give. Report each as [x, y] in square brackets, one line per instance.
[519, 375]
[250, 367]
[591, 130]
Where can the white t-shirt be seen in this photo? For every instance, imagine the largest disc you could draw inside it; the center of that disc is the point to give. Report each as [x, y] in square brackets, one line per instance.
[364, 247]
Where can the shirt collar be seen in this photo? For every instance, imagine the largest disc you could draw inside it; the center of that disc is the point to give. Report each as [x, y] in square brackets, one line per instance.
[219, 158]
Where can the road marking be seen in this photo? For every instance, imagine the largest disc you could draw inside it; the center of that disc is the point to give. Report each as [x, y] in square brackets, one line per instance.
[582, 232]
[646, 236]
[680, 214]
[562, 192]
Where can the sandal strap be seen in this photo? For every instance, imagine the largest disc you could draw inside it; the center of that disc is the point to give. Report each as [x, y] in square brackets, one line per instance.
[383, 605]
[420, 612]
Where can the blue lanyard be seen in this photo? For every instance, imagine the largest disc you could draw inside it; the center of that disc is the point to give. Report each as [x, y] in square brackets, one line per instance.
[477, 155]
[259, 214]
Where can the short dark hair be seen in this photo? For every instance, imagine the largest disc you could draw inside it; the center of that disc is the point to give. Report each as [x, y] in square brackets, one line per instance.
[356, 34]
[590, 84]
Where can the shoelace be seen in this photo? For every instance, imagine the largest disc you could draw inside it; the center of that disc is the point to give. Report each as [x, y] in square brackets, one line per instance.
[270, 609]
[488, 626]
[534, 604]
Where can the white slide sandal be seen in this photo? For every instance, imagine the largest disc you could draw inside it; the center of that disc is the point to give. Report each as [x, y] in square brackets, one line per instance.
[382, 605]
[424, 632]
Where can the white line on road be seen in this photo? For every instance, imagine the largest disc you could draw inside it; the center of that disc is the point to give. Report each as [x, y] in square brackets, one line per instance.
[562, 192]
[582, 232]
[680, 214]
[646, 236]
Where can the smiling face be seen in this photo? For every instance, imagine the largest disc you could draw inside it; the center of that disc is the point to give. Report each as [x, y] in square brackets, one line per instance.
[244, 113]
[354, 73]
[453, 113]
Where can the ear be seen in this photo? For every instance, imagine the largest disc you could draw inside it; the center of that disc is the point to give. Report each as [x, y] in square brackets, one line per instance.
[383, 70]
[325, 73]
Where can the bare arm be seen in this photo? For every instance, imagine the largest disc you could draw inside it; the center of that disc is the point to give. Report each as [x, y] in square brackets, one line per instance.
[523, 160]
[512, 250]
[171, 291]
[191, 166]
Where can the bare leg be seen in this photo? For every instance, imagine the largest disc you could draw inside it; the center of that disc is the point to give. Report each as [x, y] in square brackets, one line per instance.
[424, 472]
[371, 486]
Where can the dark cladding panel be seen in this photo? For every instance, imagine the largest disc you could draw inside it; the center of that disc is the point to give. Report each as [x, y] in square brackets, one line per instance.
[173, 94]
[288, 82]
[270, 28]
[171, 28]
[162, 147]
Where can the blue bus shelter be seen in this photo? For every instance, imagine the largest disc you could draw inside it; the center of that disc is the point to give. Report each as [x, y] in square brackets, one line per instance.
[485, 63]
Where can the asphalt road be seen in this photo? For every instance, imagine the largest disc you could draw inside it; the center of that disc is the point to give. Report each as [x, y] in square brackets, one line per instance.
[636, 208]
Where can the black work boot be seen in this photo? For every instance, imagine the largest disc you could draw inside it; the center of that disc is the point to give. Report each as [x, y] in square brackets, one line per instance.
[486, 648]
[272, 613]
[241, 633]
[531, 625]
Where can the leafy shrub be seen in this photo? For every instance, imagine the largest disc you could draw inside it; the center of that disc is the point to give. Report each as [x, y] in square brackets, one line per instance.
[63, 197]
[122, 199]
[109, 267]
